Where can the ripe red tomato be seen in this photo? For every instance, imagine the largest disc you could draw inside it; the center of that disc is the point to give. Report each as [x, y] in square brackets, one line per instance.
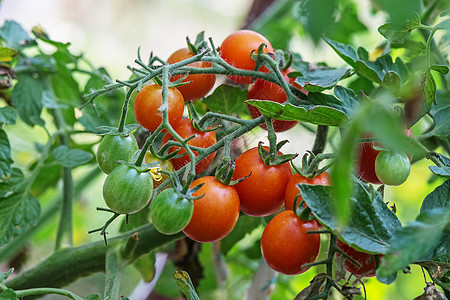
[366, 154]
[215, 214]
[265, 90]
[285, 244]
[368, 265]
[203, 139]
[236, 50]
[149, 100]
[292, 191]
[200, 84]
[262, 193]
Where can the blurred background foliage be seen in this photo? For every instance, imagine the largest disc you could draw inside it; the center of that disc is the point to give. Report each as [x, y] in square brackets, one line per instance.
[108, 33]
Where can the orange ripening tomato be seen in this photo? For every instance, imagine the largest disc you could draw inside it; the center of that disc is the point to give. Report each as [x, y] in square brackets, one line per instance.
[265, 90]
[200, 84]
[262, 193]
[237, 48]
[149, 100]
[202, 139]
[367, 261]
[292, 190]
[215, 214]
[286, 245]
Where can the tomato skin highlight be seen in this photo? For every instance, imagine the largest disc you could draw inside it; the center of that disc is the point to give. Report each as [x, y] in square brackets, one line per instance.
[113, 148]
[237, 48]
[215, 214]
[200, 84]
[368, 266]
[292, 191]
[265, 90]
[169, 212]
[262, 193]
[126, 190]
[149, 100]
[203, 140]
[285, 244]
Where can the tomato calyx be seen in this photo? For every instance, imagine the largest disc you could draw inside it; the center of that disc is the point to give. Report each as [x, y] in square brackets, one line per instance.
[199, 43]
[310, 164]
[260, 56]
[224, 173]
[274, 159]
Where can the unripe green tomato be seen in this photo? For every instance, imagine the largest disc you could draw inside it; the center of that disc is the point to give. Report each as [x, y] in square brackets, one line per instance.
[169, 212]
[392, 168]
[127, 190]
[113, 148]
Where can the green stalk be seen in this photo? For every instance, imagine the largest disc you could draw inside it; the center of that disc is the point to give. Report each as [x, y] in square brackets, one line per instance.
[85, 260]
[46, 291]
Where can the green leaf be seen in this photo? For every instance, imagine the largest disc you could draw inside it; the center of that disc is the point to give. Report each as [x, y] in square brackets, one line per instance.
[372, 225]
[429, 90]
[227, 100]
[348, 23]
[324, 109]
[321, 79]
[317, 16]
[93, 297]
[443, 171]
[399, 34]
[185, 285]
[245, 225]
[400, 11]
[8, 116]
[15, 36]
[7, 54]
[440, 68]
[441, 122]
[414, 241]
[8, 294]
[382, 71]
[439, 198]
[92, 119]
[71, 157]
[27, 99]
[5, 156]
[19, 210]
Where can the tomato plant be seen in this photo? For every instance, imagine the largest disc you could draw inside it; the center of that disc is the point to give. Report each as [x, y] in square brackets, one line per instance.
[286, 246]
[126, 190]
[292, 190]
[237, 48]
[368, 262]
[202, 139]
[113, 148]
[200, 84]
[55, 104]
[149, 100]
[262, 193]
[265, 90]
[392, 168]
[170, 212]
[215, 214]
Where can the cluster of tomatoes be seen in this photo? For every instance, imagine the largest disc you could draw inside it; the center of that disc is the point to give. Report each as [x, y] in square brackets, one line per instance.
[210, 209]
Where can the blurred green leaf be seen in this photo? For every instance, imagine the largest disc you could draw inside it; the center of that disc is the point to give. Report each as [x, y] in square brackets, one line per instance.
[71, 157]
[347, 24]
[440, 68]
[8, 294]
[92, 119]
[370, 229]
[321, 79]
[399, 34]
[245, 225]
[27, 99]
[317, 16]
[18, 208]
[15, 36]
[415, 240]
[5, 156]
[93, 297]
[399, 11]
[7, 54]
[227, 100]
[8, 115]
